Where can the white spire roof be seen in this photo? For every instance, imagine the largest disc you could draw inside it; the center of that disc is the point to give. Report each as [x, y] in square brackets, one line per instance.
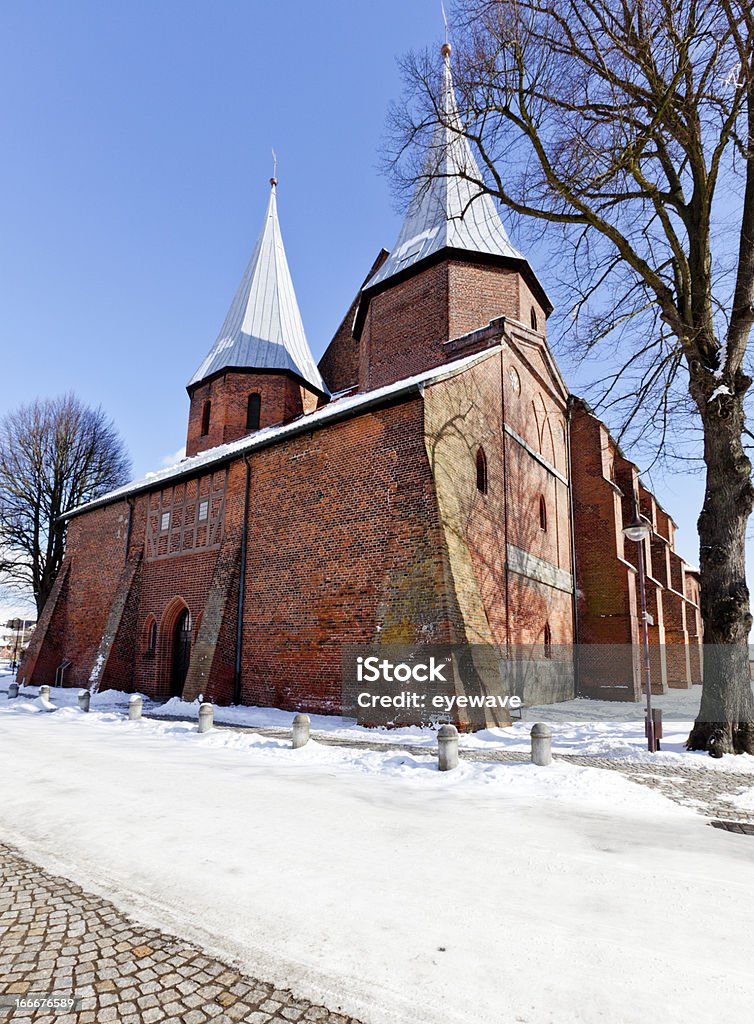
[447, 210]
[263, 329]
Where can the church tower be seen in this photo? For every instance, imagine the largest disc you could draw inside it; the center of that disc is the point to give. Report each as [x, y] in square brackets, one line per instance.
[453, 268]
[260, 372]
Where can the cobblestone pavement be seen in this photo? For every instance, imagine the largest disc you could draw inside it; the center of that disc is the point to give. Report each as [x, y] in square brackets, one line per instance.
[57, 940]
[707, 791]
[710, 793]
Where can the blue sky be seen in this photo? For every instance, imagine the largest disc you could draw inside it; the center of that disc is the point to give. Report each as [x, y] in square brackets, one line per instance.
[136, 149]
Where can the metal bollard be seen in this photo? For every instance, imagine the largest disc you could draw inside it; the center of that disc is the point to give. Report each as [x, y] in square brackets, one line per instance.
[12, 691]
[44, 693]
[541, 744]
[84, 698]
[206, 717]
[134, 708]
[447, 748]
[301, 726]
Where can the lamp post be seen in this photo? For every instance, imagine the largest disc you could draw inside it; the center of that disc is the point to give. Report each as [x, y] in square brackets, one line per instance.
[638, 530]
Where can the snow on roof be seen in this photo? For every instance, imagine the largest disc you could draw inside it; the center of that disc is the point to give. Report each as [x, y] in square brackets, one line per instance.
[346, 406]
[263, 329]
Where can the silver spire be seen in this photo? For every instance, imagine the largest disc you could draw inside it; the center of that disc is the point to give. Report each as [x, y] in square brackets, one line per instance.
[263, 329]
[447, 209]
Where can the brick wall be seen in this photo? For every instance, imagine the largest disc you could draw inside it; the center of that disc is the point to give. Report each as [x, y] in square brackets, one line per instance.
[606, 491]
[282, 399]
[465, 414]
[344, 546]
[605, 579]
[339, 365]
[500, 601]
[479, 294]
[405, 327]
[96, 557]
[407, 323]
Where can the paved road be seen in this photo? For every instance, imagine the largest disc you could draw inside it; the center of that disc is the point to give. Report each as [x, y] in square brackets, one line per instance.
[57, 940]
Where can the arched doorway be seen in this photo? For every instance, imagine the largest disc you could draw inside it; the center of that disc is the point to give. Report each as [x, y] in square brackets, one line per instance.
[181, 653]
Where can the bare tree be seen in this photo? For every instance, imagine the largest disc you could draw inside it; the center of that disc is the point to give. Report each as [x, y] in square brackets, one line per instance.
[54, 455]
[628, 127]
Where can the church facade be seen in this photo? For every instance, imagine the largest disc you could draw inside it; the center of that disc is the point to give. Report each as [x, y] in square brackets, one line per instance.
[431, 480]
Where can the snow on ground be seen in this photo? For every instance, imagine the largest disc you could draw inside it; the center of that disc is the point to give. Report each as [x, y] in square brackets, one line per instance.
[612, 729]
[592, 727]
[368, 880]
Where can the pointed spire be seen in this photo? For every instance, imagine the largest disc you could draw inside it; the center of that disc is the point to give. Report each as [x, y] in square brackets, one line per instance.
[263, 329]
[446, 210]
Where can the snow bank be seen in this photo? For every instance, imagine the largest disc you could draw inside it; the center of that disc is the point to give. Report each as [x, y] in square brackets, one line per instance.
[594, 728]
[369, 880]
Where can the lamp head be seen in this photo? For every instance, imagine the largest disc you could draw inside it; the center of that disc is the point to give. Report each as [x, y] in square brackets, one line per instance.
[637, 530]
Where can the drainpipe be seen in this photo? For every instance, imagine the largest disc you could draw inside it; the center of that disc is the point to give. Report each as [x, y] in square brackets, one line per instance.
[242, 586]
[574, 602]
[130, 503]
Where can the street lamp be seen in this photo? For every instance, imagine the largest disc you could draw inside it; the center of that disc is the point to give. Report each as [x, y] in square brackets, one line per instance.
[638, 530]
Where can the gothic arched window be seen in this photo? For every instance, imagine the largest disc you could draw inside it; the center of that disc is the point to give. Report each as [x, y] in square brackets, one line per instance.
[206, 414]
[151, 634]
[253, 409]
[481, 471]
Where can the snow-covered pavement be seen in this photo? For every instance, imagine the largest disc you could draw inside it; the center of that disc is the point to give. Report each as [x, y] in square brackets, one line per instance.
[592, 728]
[493, 893]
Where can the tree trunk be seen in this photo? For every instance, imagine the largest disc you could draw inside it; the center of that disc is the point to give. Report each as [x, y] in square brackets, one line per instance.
[725, 723]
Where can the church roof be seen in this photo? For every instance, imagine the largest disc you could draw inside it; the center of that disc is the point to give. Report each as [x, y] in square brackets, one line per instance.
[447, 210]
[263, 329]
[340, 408]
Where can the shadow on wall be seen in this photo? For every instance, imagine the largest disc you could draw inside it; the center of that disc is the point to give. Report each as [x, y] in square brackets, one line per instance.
[506, 526]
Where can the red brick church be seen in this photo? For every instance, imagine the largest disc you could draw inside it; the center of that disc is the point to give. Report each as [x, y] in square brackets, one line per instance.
[431, 480]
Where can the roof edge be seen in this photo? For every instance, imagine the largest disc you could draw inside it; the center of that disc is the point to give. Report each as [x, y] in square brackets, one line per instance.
[449, 253]
[266, 370]
[265, 438]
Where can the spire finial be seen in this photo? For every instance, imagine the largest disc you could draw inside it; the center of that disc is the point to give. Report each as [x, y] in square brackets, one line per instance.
[274, 178]
[446, 48]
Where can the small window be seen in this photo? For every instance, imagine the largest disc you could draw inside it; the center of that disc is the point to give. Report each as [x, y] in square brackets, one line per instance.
[165, 521]
[152, 637]
[481, 471]
[253, 409]
[203, 510]
[533, 319]
[515, 380]
[206, 415]
[548, 641]
[542, 512]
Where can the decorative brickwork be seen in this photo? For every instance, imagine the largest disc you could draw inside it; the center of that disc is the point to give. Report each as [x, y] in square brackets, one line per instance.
[186, 517]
